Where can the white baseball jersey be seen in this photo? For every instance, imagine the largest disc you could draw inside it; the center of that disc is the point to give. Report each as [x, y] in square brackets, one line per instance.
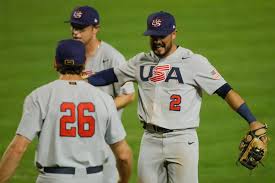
[170, 88]
[107, 57]
[72, 119]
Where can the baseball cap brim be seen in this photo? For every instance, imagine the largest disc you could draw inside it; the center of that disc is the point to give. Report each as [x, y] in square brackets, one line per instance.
[156, 33]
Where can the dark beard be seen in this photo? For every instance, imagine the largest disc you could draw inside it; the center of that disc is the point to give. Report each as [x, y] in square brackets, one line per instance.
[166, 47]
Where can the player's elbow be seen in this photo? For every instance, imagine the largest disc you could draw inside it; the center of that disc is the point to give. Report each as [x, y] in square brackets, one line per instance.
[125, 155]
[124, 158]
[16, 150]
[19, 145]
[122, 101]
[122, 152]
[131, 97]
[128, 98]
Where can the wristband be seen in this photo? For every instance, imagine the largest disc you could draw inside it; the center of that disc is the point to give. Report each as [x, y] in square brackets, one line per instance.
[244, 111]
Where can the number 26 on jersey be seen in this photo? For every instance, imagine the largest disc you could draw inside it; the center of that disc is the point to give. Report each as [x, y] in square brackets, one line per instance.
[76, 122]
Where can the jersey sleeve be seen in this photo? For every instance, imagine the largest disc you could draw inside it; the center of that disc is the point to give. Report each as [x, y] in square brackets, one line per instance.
[115, 131]
[127, 88]
[31, 120]
[127, 71]
[206, 75]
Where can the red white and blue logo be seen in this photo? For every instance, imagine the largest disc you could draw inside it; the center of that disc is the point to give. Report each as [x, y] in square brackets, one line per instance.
[160, 73]
[215, 74]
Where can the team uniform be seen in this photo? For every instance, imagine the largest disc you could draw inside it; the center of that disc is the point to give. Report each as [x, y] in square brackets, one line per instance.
[107, 57]
[71, 120]
[170, 96]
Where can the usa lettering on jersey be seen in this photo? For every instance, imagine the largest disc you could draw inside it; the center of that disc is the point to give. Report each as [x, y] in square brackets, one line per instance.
[162, 73]
[159, 73]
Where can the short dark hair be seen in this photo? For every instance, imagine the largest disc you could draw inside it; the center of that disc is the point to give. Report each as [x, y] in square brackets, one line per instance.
[70, 69]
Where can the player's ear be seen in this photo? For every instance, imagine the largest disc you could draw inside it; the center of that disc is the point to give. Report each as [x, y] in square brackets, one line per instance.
[96, 28]
[54, 64]
[174, 35]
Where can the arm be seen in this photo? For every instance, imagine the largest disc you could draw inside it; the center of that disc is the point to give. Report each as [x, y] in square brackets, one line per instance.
[103, 78]
[122, 73]
[107, 77]
[12, 157]
[123, 100]
[235, 101]
[124, 158]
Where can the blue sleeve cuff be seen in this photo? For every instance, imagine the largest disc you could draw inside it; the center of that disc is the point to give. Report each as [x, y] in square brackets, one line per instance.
[223, 90]
[103, 78]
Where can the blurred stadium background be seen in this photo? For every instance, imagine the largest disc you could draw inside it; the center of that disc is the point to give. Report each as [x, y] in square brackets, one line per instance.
[238, 37]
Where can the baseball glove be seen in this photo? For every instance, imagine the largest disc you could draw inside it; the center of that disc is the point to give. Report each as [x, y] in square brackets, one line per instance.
[253, 148]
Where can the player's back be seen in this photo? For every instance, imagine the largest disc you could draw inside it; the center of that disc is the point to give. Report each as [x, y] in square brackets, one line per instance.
[75, 117]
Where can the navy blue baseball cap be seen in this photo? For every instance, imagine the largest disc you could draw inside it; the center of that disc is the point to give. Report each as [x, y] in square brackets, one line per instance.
[70, 52]
[84, 16]
[160, 24]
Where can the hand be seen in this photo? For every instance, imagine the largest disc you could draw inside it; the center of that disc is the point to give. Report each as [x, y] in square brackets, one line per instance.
[255, 125]
[84, 75]
[253, 146]
[262, 129]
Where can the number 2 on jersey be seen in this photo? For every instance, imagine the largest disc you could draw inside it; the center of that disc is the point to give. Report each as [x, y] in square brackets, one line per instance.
[82, 121]
[175, 103]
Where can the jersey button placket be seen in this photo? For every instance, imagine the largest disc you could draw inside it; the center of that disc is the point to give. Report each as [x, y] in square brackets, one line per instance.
[157, 97]
[154, 106]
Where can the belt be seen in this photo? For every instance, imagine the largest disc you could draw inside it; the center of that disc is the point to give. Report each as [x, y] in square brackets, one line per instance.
[155, 129]
[71, 170]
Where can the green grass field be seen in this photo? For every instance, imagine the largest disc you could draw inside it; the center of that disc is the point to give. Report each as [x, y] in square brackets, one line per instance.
[238, 37]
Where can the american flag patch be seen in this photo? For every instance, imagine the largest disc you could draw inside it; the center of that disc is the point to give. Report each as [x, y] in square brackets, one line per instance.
[215, 74]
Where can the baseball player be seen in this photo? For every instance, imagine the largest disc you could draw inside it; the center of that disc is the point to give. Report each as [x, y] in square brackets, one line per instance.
[85, 24]
[73, 120]
[171, 80]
